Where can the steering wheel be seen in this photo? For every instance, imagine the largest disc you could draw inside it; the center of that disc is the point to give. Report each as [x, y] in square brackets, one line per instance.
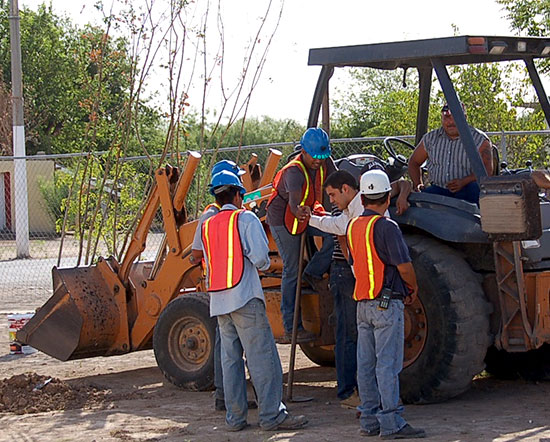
[401, 159]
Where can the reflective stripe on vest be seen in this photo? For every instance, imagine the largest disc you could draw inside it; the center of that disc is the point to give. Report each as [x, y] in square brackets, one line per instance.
[309, 198]
[208, 207]
[223, 250]
[367, 265]
[211, 205]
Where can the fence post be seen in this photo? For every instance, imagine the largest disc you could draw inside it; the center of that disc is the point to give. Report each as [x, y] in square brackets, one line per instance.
[20, 165]
[503, 152]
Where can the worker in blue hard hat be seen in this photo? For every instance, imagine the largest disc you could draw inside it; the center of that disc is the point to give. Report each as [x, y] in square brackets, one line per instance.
[228, 165]
[235, 247]
[232, 174]
[297, 187]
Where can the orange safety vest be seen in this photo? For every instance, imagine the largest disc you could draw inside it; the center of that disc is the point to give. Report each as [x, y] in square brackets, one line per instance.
[310, 193]
[223, 250]
[367, 265]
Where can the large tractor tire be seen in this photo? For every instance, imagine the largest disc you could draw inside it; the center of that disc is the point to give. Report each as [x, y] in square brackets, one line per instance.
[447, 329]
[321, 355]
[183, 342]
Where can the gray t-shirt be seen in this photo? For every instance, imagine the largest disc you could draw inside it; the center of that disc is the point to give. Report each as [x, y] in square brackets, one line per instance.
[292, 180]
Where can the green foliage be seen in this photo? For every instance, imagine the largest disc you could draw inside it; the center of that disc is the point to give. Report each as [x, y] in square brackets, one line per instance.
[497, 98]
[531, 17]
[76, 86]
[262, 131]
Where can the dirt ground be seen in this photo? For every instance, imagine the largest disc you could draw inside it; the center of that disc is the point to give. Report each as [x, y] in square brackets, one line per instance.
[125, 398]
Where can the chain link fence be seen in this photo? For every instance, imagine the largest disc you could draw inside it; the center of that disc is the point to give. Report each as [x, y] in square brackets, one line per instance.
[81, 207]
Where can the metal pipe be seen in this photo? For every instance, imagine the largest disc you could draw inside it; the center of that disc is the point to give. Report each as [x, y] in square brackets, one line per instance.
[184, 181]
[295, 319]
[270, 167]
[20, 165]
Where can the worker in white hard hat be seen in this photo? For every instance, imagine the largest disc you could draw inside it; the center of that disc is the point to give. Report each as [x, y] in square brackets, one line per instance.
[385, 280]
[342, 189]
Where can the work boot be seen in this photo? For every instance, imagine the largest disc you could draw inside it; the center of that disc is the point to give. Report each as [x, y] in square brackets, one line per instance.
[369, 433]
[407, 432]
[351, 402]
[237, 427]
[220, 405]
[290, 423]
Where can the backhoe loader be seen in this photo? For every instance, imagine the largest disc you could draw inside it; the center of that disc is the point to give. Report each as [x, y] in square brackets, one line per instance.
[483, 272]
[113, 308]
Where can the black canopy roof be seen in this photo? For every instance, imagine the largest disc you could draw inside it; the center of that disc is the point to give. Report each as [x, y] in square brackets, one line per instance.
[418, 53]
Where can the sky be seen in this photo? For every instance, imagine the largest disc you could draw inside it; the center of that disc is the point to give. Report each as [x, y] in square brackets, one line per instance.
[286, 87]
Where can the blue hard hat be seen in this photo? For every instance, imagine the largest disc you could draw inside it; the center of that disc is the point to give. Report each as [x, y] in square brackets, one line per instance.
[228, 165]
[224, 180]
[315, 142]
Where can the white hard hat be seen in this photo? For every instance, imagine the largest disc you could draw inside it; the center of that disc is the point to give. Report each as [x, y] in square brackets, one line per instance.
[374, 184]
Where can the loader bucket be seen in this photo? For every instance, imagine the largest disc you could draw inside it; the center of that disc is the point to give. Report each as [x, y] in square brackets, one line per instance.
[80, 320]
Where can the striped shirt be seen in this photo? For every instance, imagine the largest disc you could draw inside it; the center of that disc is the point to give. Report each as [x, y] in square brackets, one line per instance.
[447, 158]
[337, 253]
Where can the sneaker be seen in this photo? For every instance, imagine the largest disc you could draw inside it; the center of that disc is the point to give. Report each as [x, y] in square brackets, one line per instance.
[369, 433]
[220, 405]
[237, 427]
[351, 402]
[290, 423]
[407, 432]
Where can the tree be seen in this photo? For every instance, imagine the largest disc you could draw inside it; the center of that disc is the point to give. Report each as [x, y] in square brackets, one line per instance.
[496, 98]
[531, 17]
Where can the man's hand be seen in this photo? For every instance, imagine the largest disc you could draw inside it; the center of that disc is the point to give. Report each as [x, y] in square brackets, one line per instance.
[410, 299]
[455, 185]
[195, 257]
[303, 213]
[401, 204]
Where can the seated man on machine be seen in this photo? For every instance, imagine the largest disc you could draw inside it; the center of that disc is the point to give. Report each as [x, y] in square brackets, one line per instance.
[448, 165]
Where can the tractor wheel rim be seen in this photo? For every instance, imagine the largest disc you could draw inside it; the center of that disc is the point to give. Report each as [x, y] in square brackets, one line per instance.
[190, 344]
[416, 331]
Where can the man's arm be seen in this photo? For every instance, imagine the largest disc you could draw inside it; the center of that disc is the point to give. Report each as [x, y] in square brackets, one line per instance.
[406, 270]
[541, 178]
[331, 224]
[293, 181]
[403, 189]
[254, 240]
[415, 162]
[486, 153]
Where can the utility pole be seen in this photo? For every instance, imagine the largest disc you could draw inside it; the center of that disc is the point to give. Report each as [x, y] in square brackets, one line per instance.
[20, 162]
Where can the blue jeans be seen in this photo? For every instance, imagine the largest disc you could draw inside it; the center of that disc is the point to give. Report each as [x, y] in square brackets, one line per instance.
[342, 284]
[247, 329]
[379, 362]
[218, 375]
[289, 249]
[470, 192]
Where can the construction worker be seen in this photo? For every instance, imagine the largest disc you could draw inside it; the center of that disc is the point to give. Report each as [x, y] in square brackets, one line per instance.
[235, 245]
[449, 169]
[385, 279]
[297, 187]
[343, 191]
[195, 258]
